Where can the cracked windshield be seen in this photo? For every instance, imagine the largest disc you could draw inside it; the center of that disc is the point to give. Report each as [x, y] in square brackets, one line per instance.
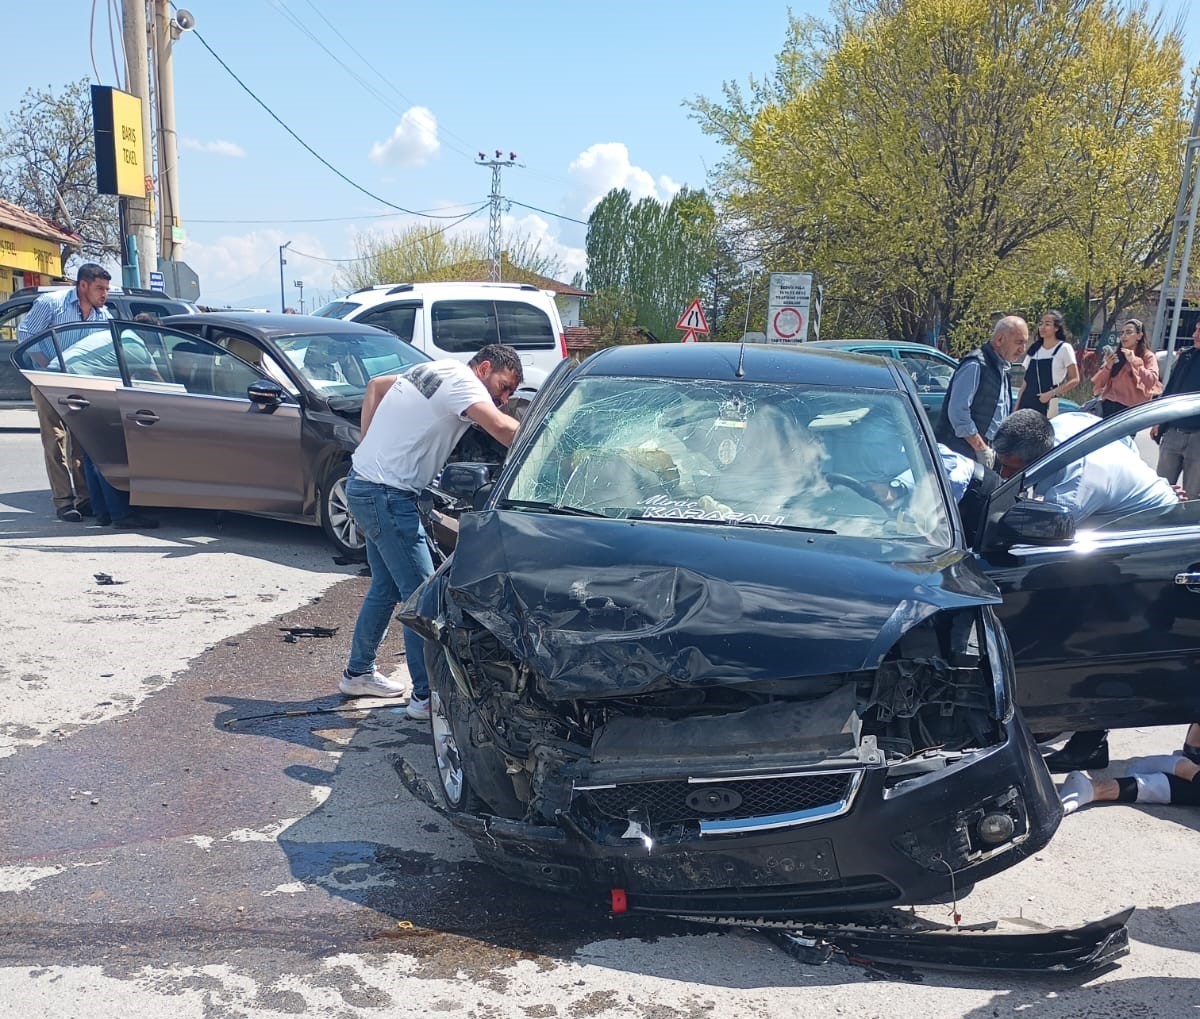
[848, 463]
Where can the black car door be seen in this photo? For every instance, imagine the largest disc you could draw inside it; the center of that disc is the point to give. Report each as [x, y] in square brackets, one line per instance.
[1104, 624]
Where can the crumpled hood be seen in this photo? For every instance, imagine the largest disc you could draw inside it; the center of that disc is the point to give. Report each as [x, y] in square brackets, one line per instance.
[605, 608]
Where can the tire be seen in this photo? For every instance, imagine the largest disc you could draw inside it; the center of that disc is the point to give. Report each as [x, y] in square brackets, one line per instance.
[472, 779]
[336, 519]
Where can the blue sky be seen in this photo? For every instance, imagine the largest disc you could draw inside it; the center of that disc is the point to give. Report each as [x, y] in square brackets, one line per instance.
[589, 96]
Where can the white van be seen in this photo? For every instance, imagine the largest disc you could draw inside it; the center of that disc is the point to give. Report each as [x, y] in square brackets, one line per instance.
[456, 319]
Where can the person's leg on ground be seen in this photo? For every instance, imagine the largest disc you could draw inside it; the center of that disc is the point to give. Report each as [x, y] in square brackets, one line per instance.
[1191, 743]
[95, 487]
[54, 451]
[1170, 456]
[1190, 479]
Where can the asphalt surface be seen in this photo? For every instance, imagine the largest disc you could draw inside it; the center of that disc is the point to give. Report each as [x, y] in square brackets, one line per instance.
[199, 825]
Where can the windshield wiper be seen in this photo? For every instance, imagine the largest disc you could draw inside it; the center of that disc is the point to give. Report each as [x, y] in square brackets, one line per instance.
[736, 523]
[550, 507]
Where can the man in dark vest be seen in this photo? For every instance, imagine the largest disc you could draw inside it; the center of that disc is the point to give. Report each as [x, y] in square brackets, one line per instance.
[980, 395]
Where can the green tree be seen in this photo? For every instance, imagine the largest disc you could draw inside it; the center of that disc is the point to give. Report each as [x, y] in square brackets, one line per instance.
[48, 167]
[654, 254]
[925, 156]
[427, 253]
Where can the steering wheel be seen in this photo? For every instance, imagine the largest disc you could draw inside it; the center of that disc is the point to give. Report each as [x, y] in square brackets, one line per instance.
[856, 486]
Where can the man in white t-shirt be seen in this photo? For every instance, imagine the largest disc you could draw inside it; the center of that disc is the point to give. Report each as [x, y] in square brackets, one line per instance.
[410, 424]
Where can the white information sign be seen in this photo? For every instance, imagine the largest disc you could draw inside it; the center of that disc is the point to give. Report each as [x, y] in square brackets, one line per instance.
[788, 301]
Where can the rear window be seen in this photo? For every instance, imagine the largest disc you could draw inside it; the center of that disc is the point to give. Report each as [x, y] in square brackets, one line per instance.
[337, 309]
[161, 309]
[466, 326]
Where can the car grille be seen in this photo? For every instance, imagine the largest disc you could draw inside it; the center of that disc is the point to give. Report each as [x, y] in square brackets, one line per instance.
[666, 802]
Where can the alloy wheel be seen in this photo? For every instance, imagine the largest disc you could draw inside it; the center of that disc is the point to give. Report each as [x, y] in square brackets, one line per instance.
[445, 749]
[341, 520]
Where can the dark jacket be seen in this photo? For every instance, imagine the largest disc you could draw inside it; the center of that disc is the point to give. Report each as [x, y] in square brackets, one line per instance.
[1185, 378]
[992, 380]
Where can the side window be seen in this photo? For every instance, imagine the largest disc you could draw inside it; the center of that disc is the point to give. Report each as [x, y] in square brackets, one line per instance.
[931, 374]
[11, 322]
[461, 327]
[206, 369]
[525, 327]
[395, 318]
[87, 349]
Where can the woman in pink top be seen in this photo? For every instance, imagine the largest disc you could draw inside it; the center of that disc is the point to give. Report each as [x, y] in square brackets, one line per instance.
[1129, 375]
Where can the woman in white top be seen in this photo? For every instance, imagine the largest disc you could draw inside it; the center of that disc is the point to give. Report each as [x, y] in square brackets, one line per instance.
[1050, 368]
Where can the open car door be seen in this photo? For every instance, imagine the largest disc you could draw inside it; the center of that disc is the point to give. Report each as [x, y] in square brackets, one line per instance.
[167, 415]
[1103, 619]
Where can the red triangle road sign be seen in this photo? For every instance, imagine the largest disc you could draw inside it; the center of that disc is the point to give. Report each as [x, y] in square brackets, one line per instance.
[689, 336]
[693, 319]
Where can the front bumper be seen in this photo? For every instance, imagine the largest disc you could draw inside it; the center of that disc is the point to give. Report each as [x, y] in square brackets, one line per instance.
[885, 848]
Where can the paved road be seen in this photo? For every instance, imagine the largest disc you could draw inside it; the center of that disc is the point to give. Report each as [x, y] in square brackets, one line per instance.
[195, 826]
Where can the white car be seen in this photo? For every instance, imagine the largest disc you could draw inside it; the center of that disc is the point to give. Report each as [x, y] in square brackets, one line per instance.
[457, 319]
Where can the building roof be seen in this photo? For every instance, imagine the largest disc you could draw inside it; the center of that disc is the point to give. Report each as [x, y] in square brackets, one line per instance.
[15, 218]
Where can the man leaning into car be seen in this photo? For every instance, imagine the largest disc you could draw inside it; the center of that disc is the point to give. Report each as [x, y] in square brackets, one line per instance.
[410, 424]
[64, 468]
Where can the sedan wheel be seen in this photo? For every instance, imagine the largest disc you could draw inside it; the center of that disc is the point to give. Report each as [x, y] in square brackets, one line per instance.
[338, 522]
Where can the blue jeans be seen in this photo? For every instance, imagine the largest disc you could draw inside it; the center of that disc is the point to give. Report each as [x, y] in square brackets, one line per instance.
[106, 500]
[399, 561]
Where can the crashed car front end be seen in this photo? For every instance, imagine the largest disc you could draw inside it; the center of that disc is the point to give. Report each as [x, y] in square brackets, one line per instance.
[715, 646]
[609, 748]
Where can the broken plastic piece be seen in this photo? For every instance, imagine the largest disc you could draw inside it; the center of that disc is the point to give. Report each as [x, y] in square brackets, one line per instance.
[106, 580]
[620, 904]
[292, 632]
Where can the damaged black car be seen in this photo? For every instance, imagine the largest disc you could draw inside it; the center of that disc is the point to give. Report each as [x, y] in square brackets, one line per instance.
[715, 642]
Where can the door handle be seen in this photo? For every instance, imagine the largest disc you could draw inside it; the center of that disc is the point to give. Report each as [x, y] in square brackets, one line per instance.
[74, 402]
[142, 417]
[1187, 579]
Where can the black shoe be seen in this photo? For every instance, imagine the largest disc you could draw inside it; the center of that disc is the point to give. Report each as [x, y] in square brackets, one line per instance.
[1077, 759]
[103, 519]
[136, 522]
[69, 515]
[85, 509]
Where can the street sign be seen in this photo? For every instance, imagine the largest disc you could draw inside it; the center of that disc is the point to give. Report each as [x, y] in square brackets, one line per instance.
[788, 302]
[158, 282]
[692, 321]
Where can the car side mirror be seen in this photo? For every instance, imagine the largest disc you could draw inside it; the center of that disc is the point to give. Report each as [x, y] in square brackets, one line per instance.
[266, 394]
[461, 482]
[1032, 522]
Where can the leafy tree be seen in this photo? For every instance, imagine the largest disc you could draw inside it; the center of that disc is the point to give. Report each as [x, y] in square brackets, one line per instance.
[612, 316]
[427, 253]
[935, 160]
[656, 255]
[48, 166]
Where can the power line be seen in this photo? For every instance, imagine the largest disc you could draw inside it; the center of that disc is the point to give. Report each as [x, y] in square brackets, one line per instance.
[308, 148]
[359, 258]
[556, 215]
[326, 219]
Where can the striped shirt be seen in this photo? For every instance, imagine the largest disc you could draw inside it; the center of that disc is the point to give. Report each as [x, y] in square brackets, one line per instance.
[55, 309]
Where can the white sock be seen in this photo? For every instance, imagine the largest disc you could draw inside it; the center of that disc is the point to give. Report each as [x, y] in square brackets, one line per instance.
[1154, 763]
[1153, 788]
[1077, 791]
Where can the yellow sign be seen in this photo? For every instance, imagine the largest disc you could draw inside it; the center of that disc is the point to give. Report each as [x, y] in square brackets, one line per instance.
[120, 148]
[30, 254]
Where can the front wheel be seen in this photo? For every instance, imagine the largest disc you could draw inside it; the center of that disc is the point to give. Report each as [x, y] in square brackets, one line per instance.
[337, 521]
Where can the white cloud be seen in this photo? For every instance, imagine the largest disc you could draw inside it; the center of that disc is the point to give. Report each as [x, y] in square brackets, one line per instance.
[236, 267]
[414, 142]
[217, 148]
[537, 230]
[606, 165]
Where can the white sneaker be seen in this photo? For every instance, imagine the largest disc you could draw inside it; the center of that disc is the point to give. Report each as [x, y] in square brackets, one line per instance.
[371, 685]
[418, 709]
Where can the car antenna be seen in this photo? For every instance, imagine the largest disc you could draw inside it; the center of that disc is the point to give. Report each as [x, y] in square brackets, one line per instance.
[741, 371]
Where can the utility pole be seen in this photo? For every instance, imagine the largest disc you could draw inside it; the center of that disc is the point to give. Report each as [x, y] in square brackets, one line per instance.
[496, 197]
[141, 242]
[300, 284]
[1176, 271]
[165, 32]
[282, 263]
